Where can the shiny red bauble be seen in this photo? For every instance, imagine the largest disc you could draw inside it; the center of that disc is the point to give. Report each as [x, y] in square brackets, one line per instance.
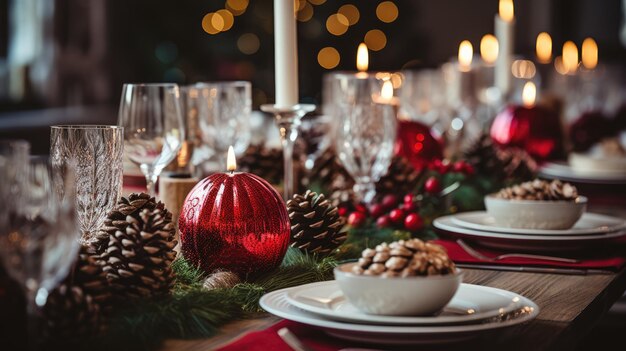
[534, 129]
[432, 185]
[356, 219]
[413, 222]
[416, 142]
[236, 222]
[396, 215]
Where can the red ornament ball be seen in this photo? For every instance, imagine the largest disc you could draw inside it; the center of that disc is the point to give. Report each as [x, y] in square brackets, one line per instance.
[416, 142]
[396, 215]
[432, 185]
[534, 129]
[235, 222]
[356, 219]
[413, 222]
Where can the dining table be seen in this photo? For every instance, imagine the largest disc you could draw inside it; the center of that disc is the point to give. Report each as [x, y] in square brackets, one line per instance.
[571, 305]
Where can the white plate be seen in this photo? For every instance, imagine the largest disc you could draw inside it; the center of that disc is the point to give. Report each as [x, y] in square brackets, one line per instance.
[470, 304]
[550, 243]
[588, 224]
[277, 304]
[563, 171]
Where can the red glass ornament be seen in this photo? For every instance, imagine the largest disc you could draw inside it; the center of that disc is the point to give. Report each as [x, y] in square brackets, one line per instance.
[432, 185]
[416, 142]
[236, 222]
[534, 129]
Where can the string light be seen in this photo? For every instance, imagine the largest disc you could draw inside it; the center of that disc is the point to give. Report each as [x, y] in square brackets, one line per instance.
[328, 57]
[337, 24]
[387, 11]
[351, 12]
[375, 40]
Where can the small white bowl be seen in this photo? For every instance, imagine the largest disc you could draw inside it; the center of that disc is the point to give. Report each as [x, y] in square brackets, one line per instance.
[535, 214]
[410, 296]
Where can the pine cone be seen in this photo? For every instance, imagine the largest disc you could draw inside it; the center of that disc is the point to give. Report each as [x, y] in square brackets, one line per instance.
[325, 172]
[404, 258]
[265, 162]
[315, 224]
[71, 314]
[88, 275]
[139, 252]
[401, 178]
[505, 163]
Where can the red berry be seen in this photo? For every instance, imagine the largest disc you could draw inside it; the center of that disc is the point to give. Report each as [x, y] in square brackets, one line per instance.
[377, 210]
[409, 207]
[459, 166]
[356, 219]
[390, 201]
[413, 222]
[361, 208]
[469, 169]
[343, 211]
[435, 165]
[408, 199]
[383, 221]
[432, 185]
[396, 215]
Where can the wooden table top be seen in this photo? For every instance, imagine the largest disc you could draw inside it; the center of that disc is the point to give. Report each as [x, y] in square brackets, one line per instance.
[570, 306]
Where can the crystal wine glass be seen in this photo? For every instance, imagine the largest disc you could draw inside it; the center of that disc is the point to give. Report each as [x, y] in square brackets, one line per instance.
[153, 127]
[97, 152]
[224, 116]
[39, 235]
[367, 132]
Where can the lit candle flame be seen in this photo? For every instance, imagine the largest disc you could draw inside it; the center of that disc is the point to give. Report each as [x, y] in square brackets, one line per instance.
[362, 58]
[589, 53]
[570, 57]
[231, 162]
[506, 10]
[529, 94]
[386, 93]
[489, 48]
[466, 52]
[544, 47]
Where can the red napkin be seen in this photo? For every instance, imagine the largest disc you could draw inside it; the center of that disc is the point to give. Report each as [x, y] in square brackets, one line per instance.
[604, 261]
[268, 339]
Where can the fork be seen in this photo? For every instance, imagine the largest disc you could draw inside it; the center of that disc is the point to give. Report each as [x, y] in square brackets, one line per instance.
[480, 256]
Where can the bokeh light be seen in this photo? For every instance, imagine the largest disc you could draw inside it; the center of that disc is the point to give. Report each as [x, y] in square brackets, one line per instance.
[328, 57]
[212, 23]
[524, 69]
[317, 2]
[227, 18]
[375, 39]
[237, 7]
[306, 13]
[351, 12]
[387, 11]
[337, 24]
[248, 43]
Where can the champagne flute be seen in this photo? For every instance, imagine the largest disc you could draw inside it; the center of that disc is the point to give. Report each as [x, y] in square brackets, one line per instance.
[153, 127]
[39, 235]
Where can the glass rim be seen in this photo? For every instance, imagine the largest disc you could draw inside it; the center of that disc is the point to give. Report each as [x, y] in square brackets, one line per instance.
[151, 85]
[218, 83]
[86, 126]
[15, 142]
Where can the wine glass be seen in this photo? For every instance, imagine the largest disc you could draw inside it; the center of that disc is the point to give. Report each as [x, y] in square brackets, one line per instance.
[97, 152]
[39, 235]
[224, 116]
[153, 127]
[367, 132]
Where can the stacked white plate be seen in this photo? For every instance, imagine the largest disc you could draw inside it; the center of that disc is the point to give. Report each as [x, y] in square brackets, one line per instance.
[591, 229]
[575, 172]
[474, 311]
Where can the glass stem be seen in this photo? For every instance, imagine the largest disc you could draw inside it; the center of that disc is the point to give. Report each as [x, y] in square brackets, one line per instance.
[364, 190]
[151, 180]
[288, 135]
[32, 321]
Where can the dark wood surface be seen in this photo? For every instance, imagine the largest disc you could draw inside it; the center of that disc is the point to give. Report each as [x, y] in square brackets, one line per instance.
[570, 306]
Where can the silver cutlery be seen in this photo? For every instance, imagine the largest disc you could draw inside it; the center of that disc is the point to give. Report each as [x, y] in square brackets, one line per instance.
[528, 269]
[480, 256]
[294, 342]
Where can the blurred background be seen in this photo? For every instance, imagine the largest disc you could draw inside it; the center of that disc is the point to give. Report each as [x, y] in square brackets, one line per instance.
[64, 61]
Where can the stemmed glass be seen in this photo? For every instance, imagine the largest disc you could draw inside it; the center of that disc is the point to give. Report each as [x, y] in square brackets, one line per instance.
[39, 235]
[97, 152]
[367, 132]
[224, 116]
[153, 127]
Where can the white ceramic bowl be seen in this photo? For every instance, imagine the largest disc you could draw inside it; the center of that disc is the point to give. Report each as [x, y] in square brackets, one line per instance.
[535, 214]
[411, 296]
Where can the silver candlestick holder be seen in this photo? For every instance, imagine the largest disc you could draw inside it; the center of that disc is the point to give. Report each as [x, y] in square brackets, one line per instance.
[288, 119]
